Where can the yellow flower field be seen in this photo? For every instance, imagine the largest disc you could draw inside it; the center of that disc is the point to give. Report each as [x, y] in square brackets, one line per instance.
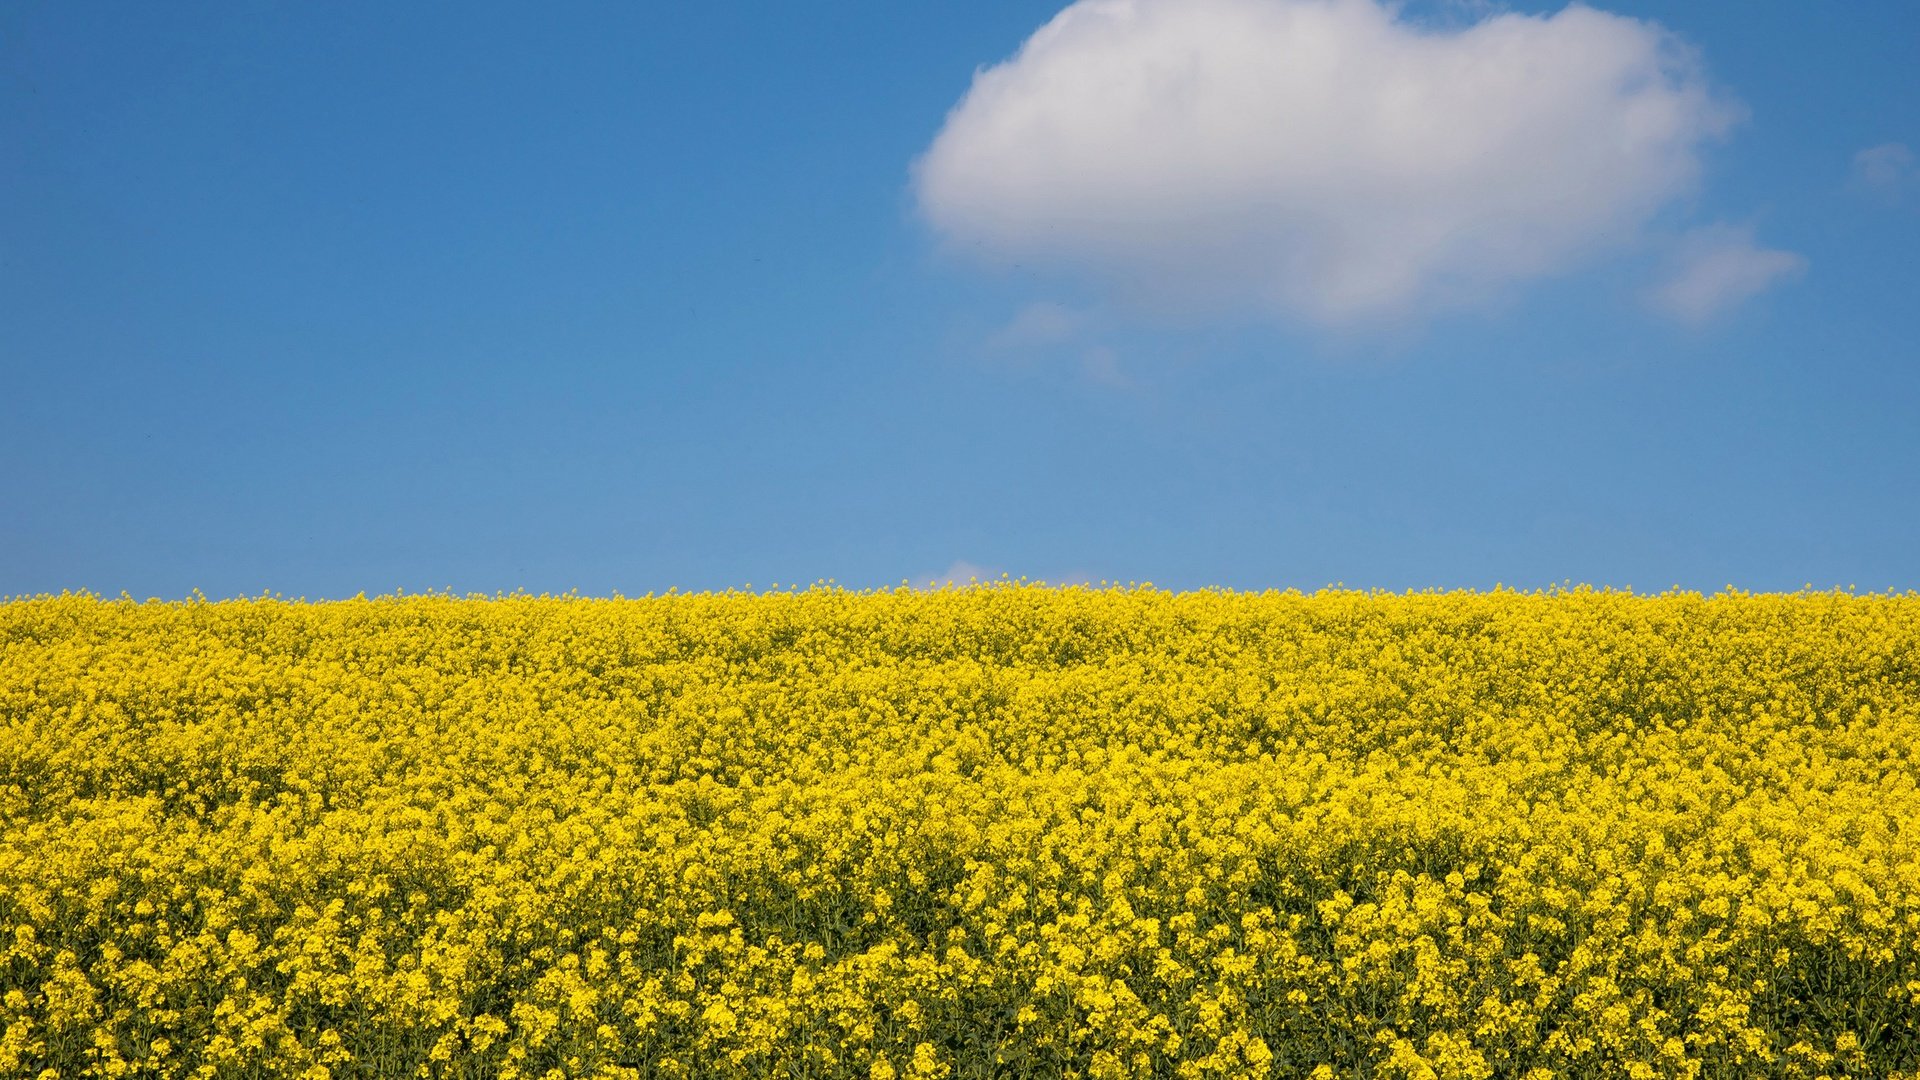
[1007, 831]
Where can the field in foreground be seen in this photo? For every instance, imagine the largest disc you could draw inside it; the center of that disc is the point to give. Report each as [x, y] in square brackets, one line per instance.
[1005, 831]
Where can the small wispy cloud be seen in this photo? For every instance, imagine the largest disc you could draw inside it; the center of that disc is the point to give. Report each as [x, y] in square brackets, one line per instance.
[1056, 331]
[1889, 170]
[1037, 325]
[1715, 269]
[959, 575]
[964, 573]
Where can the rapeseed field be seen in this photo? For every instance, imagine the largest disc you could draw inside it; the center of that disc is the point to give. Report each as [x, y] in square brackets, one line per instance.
[1005, 831]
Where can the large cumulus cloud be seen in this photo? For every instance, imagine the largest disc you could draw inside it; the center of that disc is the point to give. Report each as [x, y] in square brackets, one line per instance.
[1318, 158]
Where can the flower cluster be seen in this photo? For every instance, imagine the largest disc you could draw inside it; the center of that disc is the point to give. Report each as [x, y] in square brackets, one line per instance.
[1003, 831]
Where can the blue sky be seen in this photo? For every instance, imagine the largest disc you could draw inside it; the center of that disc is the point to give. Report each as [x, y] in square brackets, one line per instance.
[322, 299]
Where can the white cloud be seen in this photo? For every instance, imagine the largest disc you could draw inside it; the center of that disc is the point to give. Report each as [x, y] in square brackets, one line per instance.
[963, 573]
[960, 574]
[1052, 330]
[1716, 268]
[1889, 169]
[1038, 324]
[1319, 158]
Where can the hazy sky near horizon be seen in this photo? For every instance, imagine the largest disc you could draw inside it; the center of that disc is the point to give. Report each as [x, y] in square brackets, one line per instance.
[323, 299]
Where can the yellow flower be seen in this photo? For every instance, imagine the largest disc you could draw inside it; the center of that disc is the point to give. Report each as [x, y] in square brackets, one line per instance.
[1112, 832]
